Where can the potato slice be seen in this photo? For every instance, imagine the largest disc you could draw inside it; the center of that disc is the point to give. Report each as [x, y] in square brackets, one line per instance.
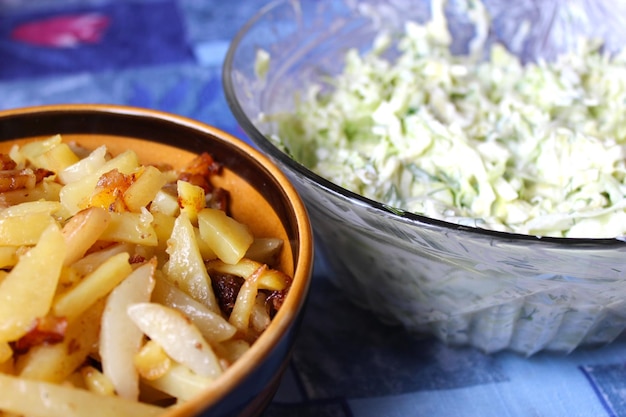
[26, 293]
[120, 338]
[178, 336]
[45, 190]
[227, 237]
[31, 207]
[96, 381]
[180, 382]
[8, 256]
[212, 325]
[57, 158]
[270, 279]
[151, 361]
[233, 349]
[185, 268]
[163, 225]
[36, 398]
[6, 352]
[86, 166]
[191, 199]
[259, 316]
[83, 230]
[56, 362]
[245, 302]
[74, 194]
[33, 150]
[205, 250]
[24, 230]
[74, 301]
[165, 203]
[132, 228]
[89, 263]
[145, 187]
[265, 250]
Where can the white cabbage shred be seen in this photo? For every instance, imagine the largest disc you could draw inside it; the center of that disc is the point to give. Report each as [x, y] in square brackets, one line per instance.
[535, 148]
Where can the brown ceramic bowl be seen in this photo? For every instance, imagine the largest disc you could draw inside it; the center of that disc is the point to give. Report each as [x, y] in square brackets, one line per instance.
[262, 197]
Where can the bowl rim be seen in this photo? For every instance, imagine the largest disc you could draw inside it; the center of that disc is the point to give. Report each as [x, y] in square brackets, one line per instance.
[295, 301]
[390, 213]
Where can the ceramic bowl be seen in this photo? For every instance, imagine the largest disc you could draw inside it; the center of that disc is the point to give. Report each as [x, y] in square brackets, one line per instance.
[262, 197]
[467, 286]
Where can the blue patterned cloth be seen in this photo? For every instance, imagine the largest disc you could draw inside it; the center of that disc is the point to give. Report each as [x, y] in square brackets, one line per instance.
[167, 55]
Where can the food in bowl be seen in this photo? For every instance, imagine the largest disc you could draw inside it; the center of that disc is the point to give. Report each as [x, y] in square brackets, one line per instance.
[129, 285]
[380, 141]
[530, 148]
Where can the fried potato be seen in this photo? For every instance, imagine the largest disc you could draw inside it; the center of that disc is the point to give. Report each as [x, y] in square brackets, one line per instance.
[179, 337]
[6, 352]
[107, 299]
[83, 230]
[259, 316]
[270, 279]
[232, 349]
[143, 190]
[212, 325]
[31, 207]
[265, 250]
[25, 229]
[35, 398]
[74, 301]
[120, 338]
[91, 261]
[180, 382]
[152, 362]
[96, 381]
[191, 199]
[55, 362]
[26, 293]
[130, 227]
[165, 203]
[228, 238]
[185, 267]
[33, 150]
[84, 167]
[75, 195]
[242, 310]
[8, 256]
[57, 158]
[45, 190]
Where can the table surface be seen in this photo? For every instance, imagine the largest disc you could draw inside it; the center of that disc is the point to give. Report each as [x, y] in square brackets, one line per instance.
[167, 55]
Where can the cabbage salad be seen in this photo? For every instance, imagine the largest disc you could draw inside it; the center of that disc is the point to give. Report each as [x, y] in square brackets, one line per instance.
[533, 148]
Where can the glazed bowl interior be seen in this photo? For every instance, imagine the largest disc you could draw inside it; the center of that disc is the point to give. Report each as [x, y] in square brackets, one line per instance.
[468, 286]
[261, 197]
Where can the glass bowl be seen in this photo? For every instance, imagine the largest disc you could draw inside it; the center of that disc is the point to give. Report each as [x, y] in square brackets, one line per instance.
[467, 286]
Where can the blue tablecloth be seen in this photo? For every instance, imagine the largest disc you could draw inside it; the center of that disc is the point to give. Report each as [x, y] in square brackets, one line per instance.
[167, 54]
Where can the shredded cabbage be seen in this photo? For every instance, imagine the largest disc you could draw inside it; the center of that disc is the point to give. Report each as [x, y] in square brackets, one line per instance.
[535, 148]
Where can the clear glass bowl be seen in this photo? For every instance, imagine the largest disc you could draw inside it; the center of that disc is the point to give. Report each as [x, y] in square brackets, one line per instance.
[492, 290]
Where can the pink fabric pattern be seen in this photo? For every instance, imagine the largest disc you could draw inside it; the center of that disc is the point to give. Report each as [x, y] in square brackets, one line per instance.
[65, 31]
